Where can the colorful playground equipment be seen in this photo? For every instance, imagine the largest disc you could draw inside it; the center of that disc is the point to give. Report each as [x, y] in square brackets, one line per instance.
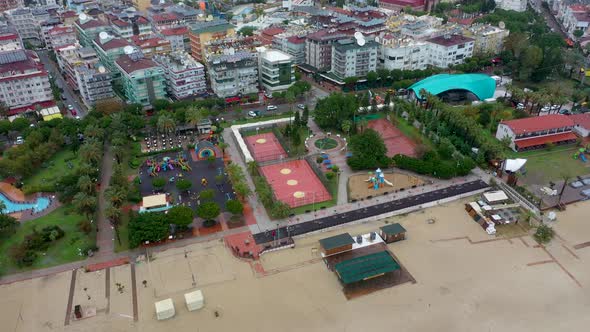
[581, 154]
[378, 180]
[168, 163]
[205, 149]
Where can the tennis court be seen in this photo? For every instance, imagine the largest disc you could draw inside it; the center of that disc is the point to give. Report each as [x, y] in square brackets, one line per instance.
[395, 141]
[265, 147]
[295, 183]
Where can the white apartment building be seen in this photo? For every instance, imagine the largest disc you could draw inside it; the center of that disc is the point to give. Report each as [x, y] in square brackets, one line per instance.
[234, 74]
[184, 76]
[403, 54]
[351, 59]
[576, 17]
[94, 83]
[293, 45]
[24, 22]
[488, 38]
[516, 5]
[277, 70]
[61, 35]
[449, 50]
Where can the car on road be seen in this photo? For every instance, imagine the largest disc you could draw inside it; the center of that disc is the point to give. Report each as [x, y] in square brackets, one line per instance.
[70, 107]
[300, 106]
[77, 117]
[268, 95]
[253, 113]
[19, 140]
[520, 106]
[271, 108]
[564, 112]
[73, 111]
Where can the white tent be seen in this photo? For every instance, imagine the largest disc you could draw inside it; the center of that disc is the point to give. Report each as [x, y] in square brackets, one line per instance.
[513, 165]
[194, 300]
[165, 309]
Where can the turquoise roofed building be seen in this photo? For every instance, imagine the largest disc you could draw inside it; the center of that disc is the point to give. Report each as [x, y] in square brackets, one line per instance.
[454, 86]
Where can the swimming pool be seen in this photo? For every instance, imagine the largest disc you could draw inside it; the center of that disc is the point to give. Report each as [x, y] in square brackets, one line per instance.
[39, 205]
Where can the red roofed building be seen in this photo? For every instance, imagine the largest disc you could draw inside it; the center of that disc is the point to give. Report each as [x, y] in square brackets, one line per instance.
[537, 132]
[266, 35]
[10, 4]
[401, 4]
[165, 20]
[152, 44]
[61, 35]
[178, 38]
[581, 124]
[143, 79]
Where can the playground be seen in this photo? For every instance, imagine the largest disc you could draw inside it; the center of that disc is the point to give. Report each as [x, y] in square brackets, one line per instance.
[202, 173]
[265, 147]
[295, 183]
[362, 186]
[395, 141]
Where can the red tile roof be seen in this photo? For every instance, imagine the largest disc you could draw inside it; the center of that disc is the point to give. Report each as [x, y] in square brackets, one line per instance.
[450, 40]
[165, 17]
[528, 142]
[175, 31]
[273, 31]
[30, 108]
[9, 36]
[296, 40]
[111, 44]
[538, 123]
[91, 24]
[404, 3]
[130, 66]
[582, 120]
[60, 29]
[120, 23]
[154, 41]
[142, 20]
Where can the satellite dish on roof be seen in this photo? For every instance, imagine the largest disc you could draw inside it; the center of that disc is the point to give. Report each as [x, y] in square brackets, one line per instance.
[103, 35]
[128, 49]
[376, 39]
[502, 25]
[358, 35]
[361, 42]
[101, 69]
[83, 17]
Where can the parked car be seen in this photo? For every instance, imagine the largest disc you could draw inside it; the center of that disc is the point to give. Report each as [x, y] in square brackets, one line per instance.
[19, 140]
[520, 106]
[545, 109]
[73, 111]
[70, 107]
[271, 108]
[268, 95]
[253, 114]
[300, 106]
[564, 112]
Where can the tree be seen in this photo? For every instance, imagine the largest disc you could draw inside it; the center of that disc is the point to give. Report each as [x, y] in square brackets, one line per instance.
[8, 224]
[181, 216]
[85, 184]
[242, 189]
[161, 104]
[20, 124]
[351, 82]
[91, 153]
[208, 210]
[4, 109]
[346, 126]
[368, 151]
[234, 206]
[290, 98]
[108, 106]
[372, 78]
[193, 116]
[143, 227]
[183, 184]
[280, 210]
[166, 123]
[84, 203]
[305, 116]
[247, 31]
[529, 61]
[159, 182]
[207, 195]
[565, 177]
[222, 146]
[331, 111]
[544, 234]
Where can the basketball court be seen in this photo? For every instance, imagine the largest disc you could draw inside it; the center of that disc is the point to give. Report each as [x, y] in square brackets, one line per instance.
[395, 141]
[265, 147]
[295, 183]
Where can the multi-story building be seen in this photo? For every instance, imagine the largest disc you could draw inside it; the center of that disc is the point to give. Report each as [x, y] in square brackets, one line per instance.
[350, 58]
[141, 5]
[488, 38]
[318, 48]
[24, 81]
[265, 36]
[163, 21]
[277, 70]
[178, 38]
[185, 77]
[9, 40]
[233, 74]
[89, 28]
[397, 5]
[202, 33]
[122, 28]
[94, 83]
[67, 59]
[10, 4]
[449, 50]
[24, 22]
[536, 132]
[292, 45]
[109, 48]
[143, 80]
[516, 5]
[576, 18]
[403, 53]
[68, 17]
[61, 35]
[151, 45]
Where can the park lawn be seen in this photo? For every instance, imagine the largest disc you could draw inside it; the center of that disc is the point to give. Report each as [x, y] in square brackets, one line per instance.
[62, 251]
[53, 169]
[545, 165]
[123, 234]
[332, 188]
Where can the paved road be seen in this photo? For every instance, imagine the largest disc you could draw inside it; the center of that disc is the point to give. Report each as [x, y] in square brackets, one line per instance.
[550, 19]
[71, 97]
[370, 211]
[105, 235]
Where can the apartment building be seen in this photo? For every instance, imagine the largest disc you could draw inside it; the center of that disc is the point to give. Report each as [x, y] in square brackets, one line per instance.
[10, 4]
[141, 5]
[447, 50]
[318, 48]
[349, 58]
[576, 18]
[24, 82]
[178, 38]
[94, 83]
[489, 40]
[24, 22]
[88, 29]
[403, 53]
[151, 45]
[127, 27]
[233, 74]
[292, 45]
[276, 69]
[143, 79]
[109, 48]
[185, 77]
[202, 33]
[61, 35]
[516, 5]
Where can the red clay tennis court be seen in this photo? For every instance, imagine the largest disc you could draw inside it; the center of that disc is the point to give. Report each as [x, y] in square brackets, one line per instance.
[395, 141]
[295, 183]
[265, 147]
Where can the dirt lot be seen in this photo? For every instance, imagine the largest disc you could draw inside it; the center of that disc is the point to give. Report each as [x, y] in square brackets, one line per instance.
[358, 188]
[466, 281]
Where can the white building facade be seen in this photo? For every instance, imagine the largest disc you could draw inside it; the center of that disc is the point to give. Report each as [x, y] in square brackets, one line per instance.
[351, 59]
[185, 77]
[277, 70]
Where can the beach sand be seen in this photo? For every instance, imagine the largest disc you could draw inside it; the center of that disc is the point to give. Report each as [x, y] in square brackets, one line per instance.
[462, 284]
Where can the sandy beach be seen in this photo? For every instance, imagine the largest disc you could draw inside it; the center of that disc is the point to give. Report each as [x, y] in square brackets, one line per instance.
[465, 281]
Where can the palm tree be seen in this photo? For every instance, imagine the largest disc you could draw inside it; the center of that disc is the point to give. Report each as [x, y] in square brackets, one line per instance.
[565, 177]
[346, 126]
[84, 203]
[193, 116]
[113, 214]
[86, 169]
[85, 184]
[222, 146]
[90, 153]
[2, 207]
[166, 123]
[119, 152]
[93, 131]
[116, 196]
[252, 167]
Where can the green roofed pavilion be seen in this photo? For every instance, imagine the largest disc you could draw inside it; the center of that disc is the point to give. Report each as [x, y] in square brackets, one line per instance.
[365, 267]
[336, 241]
[481, 85]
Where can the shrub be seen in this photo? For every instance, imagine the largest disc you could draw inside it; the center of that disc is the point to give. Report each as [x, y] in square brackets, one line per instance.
[207, 195]
[183, 184]
[208, 210]
[235, 207]
[134, 163]
[544, 234]
[319, 159]
[330, 175]
[85, 226]
[180, 215]
[21, 255]
[158, 182]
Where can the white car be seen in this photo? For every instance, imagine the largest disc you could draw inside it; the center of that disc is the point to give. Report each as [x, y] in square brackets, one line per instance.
[520, 106]
[271, 108]
[70, 107]
[301, 106]
[545, 109]
[252, 114]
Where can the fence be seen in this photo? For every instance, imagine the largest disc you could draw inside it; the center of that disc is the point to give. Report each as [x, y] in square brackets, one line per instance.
[516, 196]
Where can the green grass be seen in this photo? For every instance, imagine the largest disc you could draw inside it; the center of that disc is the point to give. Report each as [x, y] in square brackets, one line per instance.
[56, 167]
[412, 132]
[326, 143]
[545, 165]
[332, 188]
[123, 234]
[62, 251]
